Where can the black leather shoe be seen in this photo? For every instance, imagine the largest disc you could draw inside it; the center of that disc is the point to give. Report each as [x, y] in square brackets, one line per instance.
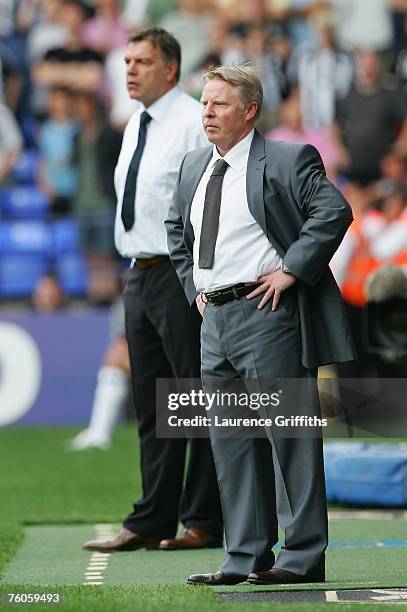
[216, 579]
[279, 576]
[126, 540]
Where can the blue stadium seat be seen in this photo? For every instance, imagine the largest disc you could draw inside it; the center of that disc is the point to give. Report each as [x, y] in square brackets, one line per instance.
[25, 168]
[23, 201]
[72, 273]
[19, 274]
[66, 237]
[26, 238]
[30, 128]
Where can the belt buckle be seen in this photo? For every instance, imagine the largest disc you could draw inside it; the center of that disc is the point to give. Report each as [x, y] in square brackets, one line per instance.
[211, 295]
[235, 293]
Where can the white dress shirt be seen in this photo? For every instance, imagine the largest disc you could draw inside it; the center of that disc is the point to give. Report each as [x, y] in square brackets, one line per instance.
[174, 130]
[243, 252]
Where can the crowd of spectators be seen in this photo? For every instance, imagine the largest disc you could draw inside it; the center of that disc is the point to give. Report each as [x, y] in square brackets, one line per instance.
[334, 74]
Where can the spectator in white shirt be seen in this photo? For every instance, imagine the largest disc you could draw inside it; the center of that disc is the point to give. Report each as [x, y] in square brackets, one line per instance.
[323, 73]
[363, 24]
[11, 141]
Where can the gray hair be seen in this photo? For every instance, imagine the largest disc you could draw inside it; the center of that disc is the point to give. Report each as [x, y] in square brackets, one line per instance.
[244, 78]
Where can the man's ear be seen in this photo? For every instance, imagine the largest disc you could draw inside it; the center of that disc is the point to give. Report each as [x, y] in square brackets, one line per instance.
[251, 110]
[172, 68]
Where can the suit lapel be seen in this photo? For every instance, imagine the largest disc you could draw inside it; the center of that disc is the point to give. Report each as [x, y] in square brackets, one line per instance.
[254, 180]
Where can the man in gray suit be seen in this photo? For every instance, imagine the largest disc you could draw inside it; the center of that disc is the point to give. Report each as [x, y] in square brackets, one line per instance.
[251, 230]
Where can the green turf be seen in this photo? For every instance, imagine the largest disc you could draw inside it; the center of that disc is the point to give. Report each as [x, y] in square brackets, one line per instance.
[40, 560]
[41, 483]
[175, 599]
[360, 529]
[44, 483]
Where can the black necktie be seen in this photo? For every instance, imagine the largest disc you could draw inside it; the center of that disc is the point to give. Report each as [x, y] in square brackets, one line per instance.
[131, 180]
[210, 216]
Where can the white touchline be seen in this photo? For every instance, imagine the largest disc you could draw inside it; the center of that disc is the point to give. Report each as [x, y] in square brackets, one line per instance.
[367, 514]
[98, 561]
[331, 596]
[92, 578]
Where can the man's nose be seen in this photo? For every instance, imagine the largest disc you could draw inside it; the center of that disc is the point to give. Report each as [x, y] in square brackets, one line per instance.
[209, 110]
[131, 68]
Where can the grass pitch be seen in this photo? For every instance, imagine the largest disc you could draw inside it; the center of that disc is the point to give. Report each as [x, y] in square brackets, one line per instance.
[50, 499]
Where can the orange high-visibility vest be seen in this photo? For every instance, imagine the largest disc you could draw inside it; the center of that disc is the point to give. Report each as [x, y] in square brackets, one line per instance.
[362, 263]
[401, 258]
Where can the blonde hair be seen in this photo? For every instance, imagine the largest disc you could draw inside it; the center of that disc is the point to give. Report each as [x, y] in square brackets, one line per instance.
[244, 78]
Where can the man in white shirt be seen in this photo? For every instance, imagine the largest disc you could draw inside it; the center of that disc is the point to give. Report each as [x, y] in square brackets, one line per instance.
[251, 230]
[11, 140]
[162, 329]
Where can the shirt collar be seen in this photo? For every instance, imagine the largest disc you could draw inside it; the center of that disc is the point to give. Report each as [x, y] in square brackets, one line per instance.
[237, 156]
[159, 109]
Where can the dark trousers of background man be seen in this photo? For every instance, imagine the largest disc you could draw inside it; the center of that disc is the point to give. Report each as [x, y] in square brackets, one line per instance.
[163, 334]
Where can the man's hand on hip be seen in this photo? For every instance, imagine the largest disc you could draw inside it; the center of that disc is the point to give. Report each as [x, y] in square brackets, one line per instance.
[200, 304]
[272, 285]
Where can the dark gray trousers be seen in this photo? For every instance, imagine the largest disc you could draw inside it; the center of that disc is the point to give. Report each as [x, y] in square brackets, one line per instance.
[273, 479]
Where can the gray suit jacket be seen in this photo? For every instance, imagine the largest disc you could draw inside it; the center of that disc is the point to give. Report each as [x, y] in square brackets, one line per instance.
[305, 218]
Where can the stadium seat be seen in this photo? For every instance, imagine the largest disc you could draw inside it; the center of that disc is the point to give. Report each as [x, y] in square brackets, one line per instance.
[66, 237]
[30, 128]
[26, 238]
[25, 169]
[19, 274]
[72, 274]
[23, 201]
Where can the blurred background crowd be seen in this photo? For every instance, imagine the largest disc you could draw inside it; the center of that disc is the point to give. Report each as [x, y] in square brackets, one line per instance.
[334, 74]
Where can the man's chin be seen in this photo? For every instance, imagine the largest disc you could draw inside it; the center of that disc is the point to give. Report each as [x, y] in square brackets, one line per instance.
[211, 136]
[134, 94]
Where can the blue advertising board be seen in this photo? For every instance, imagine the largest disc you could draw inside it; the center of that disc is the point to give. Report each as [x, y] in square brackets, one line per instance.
[49, 364]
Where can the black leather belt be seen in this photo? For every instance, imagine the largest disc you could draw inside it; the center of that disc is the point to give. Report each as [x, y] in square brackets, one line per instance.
[230, 293]
[151, 261]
